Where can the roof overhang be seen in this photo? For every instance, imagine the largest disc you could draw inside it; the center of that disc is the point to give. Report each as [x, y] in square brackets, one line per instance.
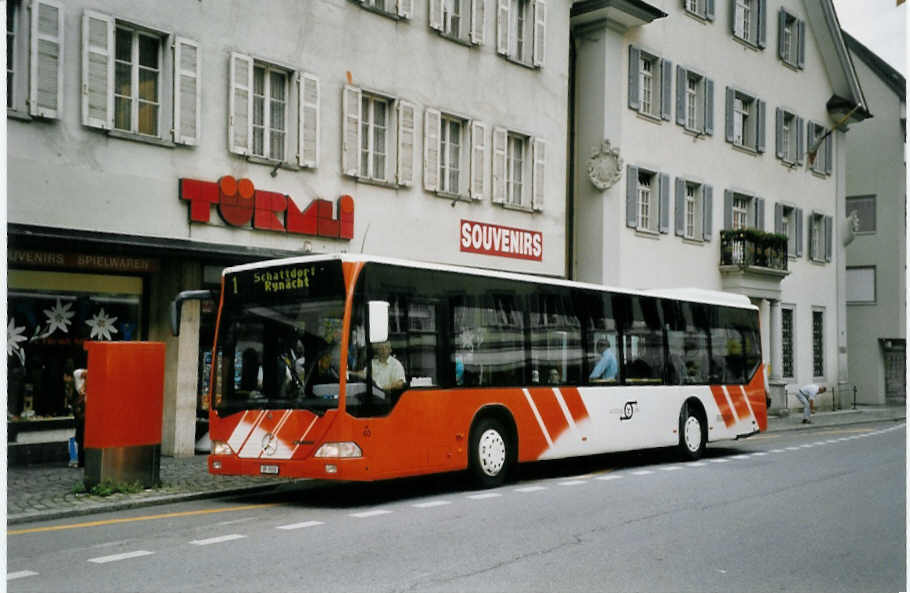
[622, 13]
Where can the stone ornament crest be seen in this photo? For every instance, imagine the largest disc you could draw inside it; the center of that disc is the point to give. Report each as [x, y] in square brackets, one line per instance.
[604, 166]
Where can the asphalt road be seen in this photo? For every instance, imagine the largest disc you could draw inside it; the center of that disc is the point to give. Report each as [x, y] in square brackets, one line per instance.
[813, 510]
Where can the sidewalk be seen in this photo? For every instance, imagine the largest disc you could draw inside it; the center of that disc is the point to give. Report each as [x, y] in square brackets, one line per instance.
[45, 492]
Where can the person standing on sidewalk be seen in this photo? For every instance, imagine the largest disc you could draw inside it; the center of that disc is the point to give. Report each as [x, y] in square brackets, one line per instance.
[806, 394]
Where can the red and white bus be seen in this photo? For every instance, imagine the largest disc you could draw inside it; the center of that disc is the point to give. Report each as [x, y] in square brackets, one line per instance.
[494, 369]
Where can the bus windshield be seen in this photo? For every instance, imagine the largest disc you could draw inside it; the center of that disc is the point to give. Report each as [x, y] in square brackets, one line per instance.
[282, 350]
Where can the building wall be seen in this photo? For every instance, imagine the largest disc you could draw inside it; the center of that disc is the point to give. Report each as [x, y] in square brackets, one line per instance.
[876, 166]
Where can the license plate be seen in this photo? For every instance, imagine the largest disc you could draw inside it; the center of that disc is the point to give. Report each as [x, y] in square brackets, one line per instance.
[268, 469]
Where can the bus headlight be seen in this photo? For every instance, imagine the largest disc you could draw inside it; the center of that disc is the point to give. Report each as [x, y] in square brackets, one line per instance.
[346, 449]
[220, 448]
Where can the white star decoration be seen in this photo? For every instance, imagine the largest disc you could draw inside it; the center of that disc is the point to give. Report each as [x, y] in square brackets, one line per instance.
[13, 337]
[102, 325]
[59, 318]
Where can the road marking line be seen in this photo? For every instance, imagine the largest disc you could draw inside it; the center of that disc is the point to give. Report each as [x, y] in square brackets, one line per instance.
[610, 477]
[792, 448]
[572, 483]
[118, 557]
[217, 540]
[143, 518]
[368, 514]
[777, 451]
[697, 464]
[718, 460]
[431, 504]
[20, 575]
[670, 468]
[743, 456]
[483, 496]
[535, 488]
[643, 472]
[300, 525]
[760, 454]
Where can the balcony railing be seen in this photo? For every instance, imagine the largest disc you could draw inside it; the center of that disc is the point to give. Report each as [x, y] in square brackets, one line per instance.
[753, 248]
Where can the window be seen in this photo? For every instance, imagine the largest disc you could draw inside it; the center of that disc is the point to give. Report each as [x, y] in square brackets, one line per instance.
[270, 112]
[786, 338]
[864, 206]
[647, 200]
[745, 117]
[392, 8]
[454, 155]
[788, 221]
[649, 83]
[370, 151]
[601, 336]
[748, 21]
[791, 32]
[463, 20]
[693, 210]
[819, 148]
[860, 285]
[818, 343]
[521, 30]
[519, 164]
[642, 339]
[820, 237]
[34, 58]
[128, 89]
[742, 210]
[694, 101]
[556, 354]
[687, 342]
[735, 345]
[701, 8]
[788, 137]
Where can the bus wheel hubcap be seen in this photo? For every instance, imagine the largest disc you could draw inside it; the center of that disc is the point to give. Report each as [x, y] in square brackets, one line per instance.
[491, 452]
[693, 433]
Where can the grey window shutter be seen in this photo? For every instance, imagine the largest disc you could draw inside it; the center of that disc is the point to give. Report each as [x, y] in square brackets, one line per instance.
[778, 217]
[634, 59]
[350, 131]
[240, 104]
[405, 8]
[538, 181]
[779, 132]
[503, 27]
[707, 211]
[728, 209]
[680, 206]
[800, 141]
[436, 14]
[732, 6]
[680, 95]
[431, 148]
[709, 10]
[760, 126]
[781, 25]
[666, 83]
[97, 70]
[478, 21]
[709, 107]
[801, 39]
[798, 216]
[664, 207]
[407, 133]
[762, 23]
[632, 196]
[46, 59]
[759, 205]
[187, 92]
[478, 159]
[500, 142]
[728, 114]
[829, 237]
[829, 154]
[540, 33]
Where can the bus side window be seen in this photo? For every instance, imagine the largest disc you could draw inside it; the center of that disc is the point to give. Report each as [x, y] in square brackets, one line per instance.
[556, 352]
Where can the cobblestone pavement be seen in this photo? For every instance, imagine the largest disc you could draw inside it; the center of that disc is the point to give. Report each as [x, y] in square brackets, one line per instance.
[46, 492]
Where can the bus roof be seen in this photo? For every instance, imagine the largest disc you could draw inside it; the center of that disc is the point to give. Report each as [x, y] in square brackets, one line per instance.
[713, 297]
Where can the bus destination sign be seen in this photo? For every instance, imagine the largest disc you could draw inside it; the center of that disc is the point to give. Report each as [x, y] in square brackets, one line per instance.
[298, 280]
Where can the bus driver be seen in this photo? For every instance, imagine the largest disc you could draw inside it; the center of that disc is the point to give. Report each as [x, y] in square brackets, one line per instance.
[388, 373]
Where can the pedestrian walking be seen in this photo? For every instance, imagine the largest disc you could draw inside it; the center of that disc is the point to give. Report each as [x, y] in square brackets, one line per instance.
[806, 394]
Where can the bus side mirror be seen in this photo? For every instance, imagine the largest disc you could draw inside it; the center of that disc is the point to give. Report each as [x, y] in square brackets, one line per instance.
[177, 305]
[379, 321]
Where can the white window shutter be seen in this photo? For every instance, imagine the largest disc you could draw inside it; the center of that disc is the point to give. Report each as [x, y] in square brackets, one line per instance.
[500, 141]
[538, 183]
[431, 119]
[308, 121]
[240, 99]
[503, 28]
[406, 134]
[187, 91]
[436, 10]
[350, 149]
[97, 70]
[478, 159]
[540, 31]
[405, 8]
[46, 59]
[478, 21]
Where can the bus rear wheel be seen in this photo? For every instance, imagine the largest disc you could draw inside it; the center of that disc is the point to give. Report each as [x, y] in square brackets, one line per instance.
[693, 433]
[490, 453]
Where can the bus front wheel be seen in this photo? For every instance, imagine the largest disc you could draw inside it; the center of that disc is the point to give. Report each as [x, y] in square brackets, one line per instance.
[692, 433]
[491, 454]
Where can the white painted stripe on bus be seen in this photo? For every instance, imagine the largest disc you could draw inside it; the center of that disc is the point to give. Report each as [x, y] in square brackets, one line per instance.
[20, 575]
[543, 428]
[303, 436]
[118, 557]
[368, 514]
[730, 402]
[282, 451]
[243, 428]
[531, 489]
[748, 404]
[302, 525]
[483, 496]
[431, 504]
[250, 430]
[565, 412]
[217, 540]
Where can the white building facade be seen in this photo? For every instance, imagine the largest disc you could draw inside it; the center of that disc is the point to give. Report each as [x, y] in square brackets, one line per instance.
[693, 125]
[877, 257]
[150, 145]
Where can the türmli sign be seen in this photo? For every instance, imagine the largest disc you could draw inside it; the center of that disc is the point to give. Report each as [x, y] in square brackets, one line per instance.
[242, 205]
[492, 239]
